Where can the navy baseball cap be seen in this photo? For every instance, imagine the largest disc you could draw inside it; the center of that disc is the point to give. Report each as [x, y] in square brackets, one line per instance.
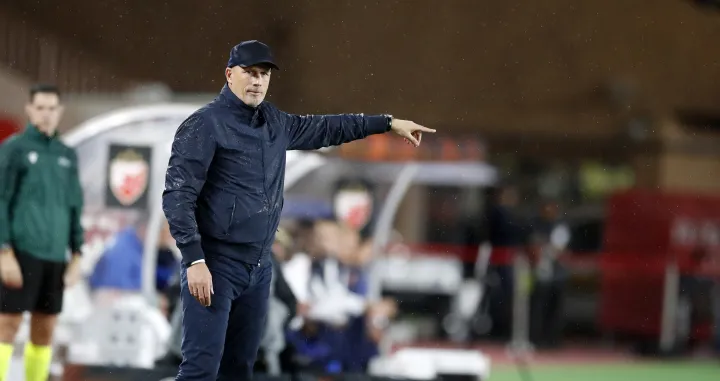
[251, 53]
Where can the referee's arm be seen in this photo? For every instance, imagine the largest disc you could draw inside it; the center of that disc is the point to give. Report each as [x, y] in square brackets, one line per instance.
[9, 170]
[76, 207]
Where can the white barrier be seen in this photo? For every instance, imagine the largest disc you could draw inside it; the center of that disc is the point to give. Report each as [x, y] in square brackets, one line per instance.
[428, 364]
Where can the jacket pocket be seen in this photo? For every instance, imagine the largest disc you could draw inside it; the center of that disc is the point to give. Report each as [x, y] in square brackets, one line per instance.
[215, 214]
[250, 221]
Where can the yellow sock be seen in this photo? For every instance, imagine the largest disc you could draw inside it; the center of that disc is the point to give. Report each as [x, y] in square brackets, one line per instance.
[37, 362]
[6, 351]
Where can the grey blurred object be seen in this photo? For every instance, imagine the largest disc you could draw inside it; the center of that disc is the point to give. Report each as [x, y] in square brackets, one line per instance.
[130, 333]
[149, 93]
[468, 312]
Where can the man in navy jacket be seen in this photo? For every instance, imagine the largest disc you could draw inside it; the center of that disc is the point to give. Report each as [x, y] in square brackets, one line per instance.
[223, 197]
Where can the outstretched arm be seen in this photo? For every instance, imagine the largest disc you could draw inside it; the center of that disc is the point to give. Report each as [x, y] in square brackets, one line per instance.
[310, 132]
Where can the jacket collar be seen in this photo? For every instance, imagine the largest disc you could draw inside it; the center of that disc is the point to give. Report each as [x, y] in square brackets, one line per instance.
[32, 131]
[234, 102]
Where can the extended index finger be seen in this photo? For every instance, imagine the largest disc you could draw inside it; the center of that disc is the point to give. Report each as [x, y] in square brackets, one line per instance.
[424, 129]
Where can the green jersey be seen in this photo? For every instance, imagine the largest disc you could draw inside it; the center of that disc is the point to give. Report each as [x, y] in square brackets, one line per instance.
[41, 198]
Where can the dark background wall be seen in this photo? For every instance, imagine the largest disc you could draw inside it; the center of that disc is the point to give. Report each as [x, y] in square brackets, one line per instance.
[580, 68]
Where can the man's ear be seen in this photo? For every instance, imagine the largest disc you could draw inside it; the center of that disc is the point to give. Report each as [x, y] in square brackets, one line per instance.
[228, 74]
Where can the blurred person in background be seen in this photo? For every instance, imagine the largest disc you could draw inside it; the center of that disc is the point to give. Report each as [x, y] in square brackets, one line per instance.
[550, 237]
[343, 327]
[355, 257]
[119, 269]
[282, 252]
[331, 299]
[283, 307]
[507, 235]
[363, 333]
[697, 287]
[223, 198]
[296, 267]
[41, 202]
[318, 341]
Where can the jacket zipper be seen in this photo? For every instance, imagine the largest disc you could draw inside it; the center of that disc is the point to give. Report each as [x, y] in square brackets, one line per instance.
[49, 178]
[265, 195]
[232, 217]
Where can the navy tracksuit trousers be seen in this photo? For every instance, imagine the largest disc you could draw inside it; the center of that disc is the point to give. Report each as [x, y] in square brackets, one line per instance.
[220, 342]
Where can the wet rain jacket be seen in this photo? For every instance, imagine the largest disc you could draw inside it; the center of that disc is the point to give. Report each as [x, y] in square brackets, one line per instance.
[224, 183]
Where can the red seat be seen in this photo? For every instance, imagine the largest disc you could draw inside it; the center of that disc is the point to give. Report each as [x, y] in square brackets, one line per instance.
[8, 127]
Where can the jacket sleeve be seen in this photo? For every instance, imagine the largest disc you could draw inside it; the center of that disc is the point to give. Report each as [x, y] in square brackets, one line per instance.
[192, 152]
[9, 177]
[76, 209]
[309, 132]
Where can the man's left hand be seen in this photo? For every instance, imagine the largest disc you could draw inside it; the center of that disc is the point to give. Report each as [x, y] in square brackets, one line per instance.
[72, 272]
[411, 131]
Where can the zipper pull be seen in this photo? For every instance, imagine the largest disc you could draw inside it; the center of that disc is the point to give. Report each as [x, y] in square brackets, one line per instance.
[253, 121]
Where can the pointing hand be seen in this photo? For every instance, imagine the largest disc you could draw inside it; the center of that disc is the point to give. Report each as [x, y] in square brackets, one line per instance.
[411, 131]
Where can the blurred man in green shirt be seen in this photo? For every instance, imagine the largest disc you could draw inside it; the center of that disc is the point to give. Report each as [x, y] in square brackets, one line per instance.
[40, 208]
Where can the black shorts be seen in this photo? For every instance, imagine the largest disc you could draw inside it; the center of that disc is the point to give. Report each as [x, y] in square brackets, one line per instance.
[42, 288]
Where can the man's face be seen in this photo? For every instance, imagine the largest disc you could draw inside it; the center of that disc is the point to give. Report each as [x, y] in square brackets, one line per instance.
[250, 84]
[325, 239]
[44, 111]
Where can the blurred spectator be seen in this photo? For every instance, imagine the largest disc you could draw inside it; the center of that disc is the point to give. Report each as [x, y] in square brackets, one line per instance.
[296, 268]
[281, 254]
[550, 237]
[314, 343]
[507, 235]
[282, 307]
[119, 269]
[362, 333]
[696, 297]
[343, 328]
[332, 302]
